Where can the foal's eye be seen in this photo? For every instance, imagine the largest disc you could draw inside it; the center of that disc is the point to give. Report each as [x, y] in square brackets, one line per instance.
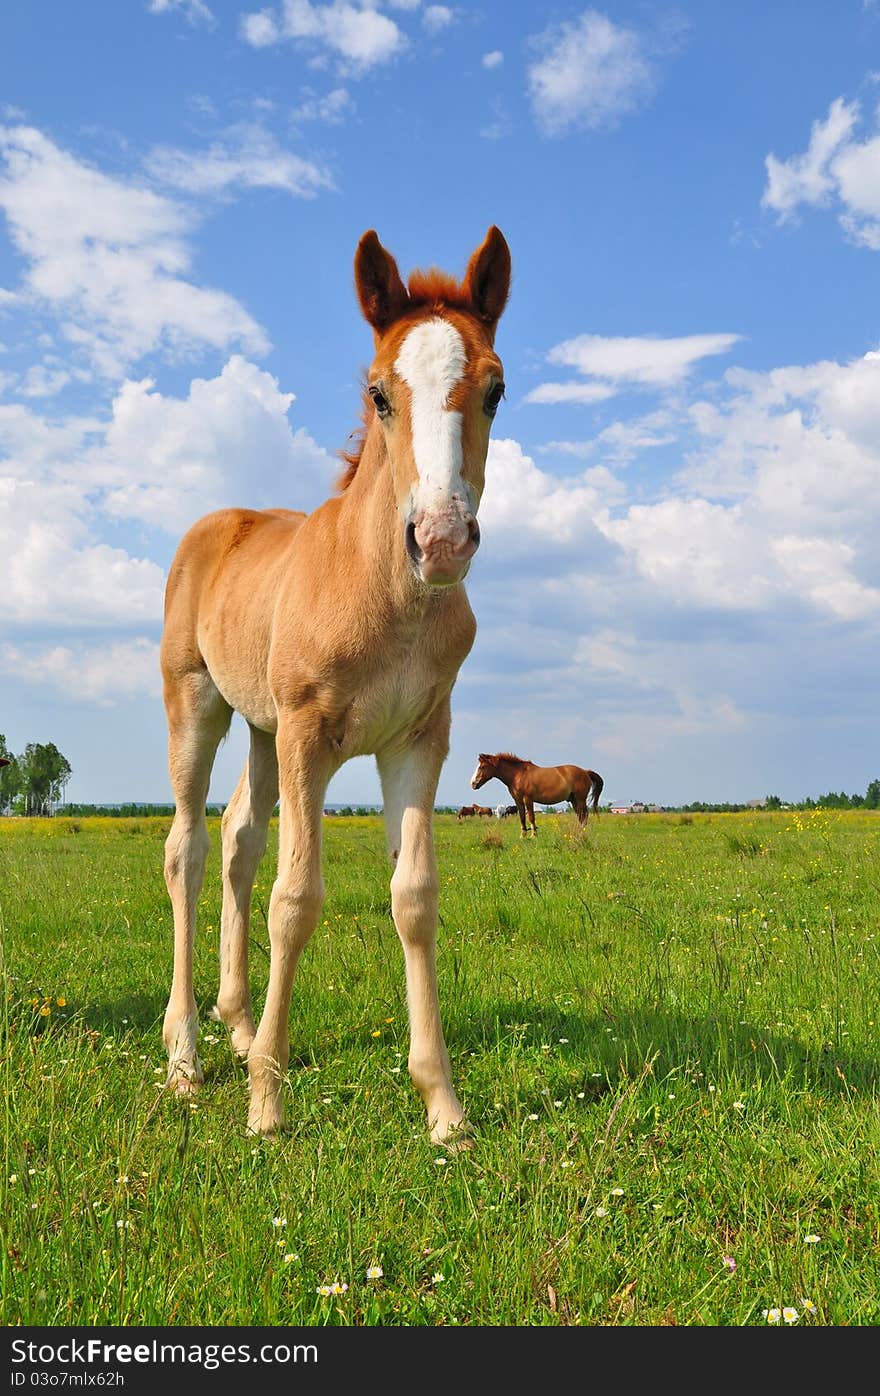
[380, 401]
[493, 399]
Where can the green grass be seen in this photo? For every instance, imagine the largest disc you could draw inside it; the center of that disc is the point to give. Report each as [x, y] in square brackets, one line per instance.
[663, 1029]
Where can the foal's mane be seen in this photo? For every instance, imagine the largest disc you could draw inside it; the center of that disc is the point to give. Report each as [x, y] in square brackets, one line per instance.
[431, 288]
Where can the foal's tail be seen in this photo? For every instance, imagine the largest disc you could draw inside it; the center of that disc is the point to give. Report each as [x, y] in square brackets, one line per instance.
[597, 785]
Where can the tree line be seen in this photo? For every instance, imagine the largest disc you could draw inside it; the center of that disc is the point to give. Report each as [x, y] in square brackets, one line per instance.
[34, 782]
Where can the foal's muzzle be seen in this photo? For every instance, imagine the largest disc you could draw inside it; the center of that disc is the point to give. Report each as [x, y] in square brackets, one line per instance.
[441, 542]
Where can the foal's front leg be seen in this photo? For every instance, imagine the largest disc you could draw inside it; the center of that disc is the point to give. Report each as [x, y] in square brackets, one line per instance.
[304, 768]
[409, 785]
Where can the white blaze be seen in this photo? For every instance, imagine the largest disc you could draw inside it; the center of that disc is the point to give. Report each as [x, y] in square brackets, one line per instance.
[431, 362]
[474, 777]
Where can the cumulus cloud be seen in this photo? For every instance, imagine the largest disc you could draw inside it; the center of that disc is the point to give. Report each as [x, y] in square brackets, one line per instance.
[92, 674]
[166, 461]
[608, 364]
[837, 169]
[249, 157]
[437, 17]
[158, 461]
[589, 72]
[110, 259]
[357, 37]
[56, 573]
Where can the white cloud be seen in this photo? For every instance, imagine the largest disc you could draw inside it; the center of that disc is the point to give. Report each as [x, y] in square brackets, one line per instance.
[260, 30]
[570, 392]
[358, 38]
[95, 674]
[493, 59]
[56, 572]
[610, 363]
[110, 259]
[196, 11]
[808, 178]
[590, 73]
[836, 168]
[250, 158]
[159, 461]
[437, 17]
[333, 107]
[659, 362]
[166, 461]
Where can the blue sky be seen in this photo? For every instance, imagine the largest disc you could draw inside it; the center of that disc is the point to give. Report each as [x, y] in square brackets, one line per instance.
[679, 582]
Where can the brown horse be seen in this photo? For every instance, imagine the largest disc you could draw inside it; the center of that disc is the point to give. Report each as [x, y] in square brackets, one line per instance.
[335, 635]
[547, 784]
[468, 811]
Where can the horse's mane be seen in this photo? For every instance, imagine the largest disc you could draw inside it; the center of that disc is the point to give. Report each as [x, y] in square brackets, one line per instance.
[434, 288]
[509, 756]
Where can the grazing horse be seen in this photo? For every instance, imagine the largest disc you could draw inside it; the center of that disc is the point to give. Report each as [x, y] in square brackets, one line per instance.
[467, 812]
[336, 634]
[547, 784]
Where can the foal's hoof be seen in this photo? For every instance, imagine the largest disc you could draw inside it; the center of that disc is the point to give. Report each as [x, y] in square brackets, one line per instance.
[456, 1139]
[184, 1083]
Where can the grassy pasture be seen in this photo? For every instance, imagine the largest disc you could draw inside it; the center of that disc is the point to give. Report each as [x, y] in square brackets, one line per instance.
[664, 1030]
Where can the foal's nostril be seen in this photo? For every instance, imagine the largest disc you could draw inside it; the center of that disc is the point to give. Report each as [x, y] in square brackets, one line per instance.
[474, 531]
[412, 546]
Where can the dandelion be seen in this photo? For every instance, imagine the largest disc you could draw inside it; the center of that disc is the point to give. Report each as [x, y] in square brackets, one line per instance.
[377, 1033]
[790, 1315]
[375, 1272]
[811, 1240]
[62, 1002]
[729, 1263]
[771, 1315]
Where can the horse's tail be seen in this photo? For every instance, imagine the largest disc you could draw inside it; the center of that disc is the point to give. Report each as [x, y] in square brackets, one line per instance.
[596, 788]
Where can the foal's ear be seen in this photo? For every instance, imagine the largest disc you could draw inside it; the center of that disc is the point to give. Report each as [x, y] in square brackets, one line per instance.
[381, 292]
[487, 279]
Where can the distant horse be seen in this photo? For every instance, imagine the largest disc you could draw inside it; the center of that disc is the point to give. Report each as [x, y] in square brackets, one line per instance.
[547, 784]
[336, 634]
[467, 811]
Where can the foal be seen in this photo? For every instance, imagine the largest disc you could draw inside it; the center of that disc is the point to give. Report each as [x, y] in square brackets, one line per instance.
[336, 634]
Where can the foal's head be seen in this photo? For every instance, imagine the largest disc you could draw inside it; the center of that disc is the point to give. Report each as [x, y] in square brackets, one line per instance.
[435, 384]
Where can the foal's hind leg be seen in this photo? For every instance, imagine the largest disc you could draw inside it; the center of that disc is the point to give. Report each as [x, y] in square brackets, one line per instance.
[197, 719]
[245, 825]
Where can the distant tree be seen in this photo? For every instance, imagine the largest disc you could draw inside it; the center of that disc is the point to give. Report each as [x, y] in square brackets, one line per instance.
[773, 802]
[45, 773]
[10, 777]
[872, 795]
